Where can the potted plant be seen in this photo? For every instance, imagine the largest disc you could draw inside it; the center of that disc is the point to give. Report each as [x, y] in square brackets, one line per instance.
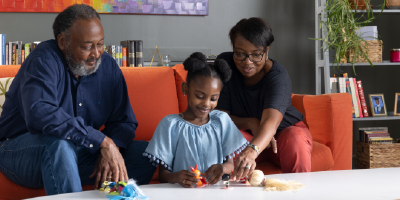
[340, 27]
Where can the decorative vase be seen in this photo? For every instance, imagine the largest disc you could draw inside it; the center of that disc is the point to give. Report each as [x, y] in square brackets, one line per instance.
[392, 4]
[361, 4]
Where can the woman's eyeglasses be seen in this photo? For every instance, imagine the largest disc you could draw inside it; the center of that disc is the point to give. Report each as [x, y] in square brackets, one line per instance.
[254, 57]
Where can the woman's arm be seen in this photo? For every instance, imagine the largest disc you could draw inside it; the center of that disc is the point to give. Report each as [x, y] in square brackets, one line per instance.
[263, 134]
[185, 178]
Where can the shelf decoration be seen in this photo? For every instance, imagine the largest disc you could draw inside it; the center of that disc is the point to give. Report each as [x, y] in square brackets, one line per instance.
[378, 106]
[397, 104]
[147, 7]
[340, 30]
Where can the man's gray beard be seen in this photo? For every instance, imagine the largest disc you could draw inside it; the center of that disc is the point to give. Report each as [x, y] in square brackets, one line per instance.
[79, 68]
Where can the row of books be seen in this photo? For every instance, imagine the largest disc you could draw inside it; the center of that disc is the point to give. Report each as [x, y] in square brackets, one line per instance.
[375, 135]
[14, 53]
[342, 84]
[128, 54]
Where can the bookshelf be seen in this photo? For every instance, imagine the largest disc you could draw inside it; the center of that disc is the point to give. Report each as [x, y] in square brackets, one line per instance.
[322, 62]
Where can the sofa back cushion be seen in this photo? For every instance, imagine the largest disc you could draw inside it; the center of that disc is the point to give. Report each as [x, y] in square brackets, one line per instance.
[152, 93]
[180, 77]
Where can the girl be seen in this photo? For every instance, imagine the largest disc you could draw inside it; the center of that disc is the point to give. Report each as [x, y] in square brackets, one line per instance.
[201, 135]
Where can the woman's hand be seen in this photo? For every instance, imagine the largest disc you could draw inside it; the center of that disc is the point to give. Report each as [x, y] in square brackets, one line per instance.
[245, 163]
[102, 172]
[273, 144]
[187, 179]
[214, 173]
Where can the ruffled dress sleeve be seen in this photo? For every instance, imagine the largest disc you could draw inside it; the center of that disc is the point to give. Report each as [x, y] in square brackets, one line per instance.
[162, 147]
[232, 140]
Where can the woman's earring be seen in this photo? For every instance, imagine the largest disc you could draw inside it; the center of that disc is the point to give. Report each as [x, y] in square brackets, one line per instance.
[184, 94]
[266, 58]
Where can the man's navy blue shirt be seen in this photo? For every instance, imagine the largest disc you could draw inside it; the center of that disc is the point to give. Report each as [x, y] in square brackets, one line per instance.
[46, 98]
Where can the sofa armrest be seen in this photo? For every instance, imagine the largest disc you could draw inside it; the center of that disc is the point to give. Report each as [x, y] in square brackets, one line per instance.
[329, 118]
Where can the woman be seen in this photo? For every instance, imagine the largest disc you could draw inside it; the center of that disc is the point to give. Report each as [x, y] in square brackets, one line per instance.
[258, 99]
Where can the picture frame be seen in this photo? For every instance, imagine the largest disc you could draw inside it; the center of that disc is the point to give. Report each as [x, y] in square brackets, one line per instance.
[378, 106]
[396, 104]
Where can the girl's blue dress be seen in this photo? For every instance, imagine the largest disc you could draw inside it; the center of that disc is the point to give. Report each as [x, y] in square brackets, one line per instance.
[178, 144]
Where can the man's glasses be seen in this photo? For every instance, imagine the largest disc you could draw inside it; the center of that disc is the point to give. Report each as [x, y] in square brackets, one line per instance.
[254, 57]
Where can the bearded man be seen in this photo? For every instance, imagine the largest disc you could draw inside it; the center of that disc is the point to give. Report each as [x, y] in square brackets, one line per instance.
[64, 92]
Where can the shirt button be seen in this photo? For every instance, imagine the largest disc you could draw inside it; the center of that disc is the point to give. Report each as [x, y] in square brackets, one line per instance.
[80, 104]
[68, 138]
[91, 145]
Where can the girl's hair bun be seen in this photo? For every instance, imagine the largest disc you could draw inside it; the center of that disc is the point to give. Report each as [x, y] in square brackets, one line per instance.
[197, 61]
[223, 70]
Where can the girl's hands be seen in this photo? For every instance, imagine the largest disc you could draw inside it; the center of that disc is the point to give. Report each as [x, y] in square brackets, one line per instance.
[187, 179]
[214, 173]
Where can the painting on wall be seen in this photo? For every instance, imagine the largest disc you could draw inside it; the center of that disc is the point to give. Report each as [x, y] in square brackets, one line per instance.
[148, 7]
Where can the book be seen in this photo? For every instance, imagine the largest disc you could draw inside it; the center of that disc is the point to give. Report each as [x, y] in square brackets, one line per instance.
[22, 56]
[14, 53]
[334, 85]
[113, 53]
[362, 99]
[358, 98]
[27, 50]
[139, 53]
[2, 49]
[354, 98]
[348, 90]
[130, 52]
[123, 56]
[361, 131]
[381, 140]
[7, 62]
[372, 135]
[19, 55]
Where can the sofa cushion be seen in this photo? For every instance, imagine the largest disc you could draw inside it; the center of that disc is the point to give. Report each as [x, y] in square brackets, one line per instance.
[4, 86]
[152, 93]
[180, 77]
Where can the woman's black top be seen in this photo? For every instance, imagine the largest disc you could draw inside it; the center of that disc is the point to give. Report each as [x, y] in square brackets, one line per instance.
[274, 90]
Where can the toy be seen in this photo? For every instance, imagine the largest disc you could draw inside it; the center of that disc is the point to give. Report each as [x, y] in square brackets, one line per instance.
[225, 179]
[273, 184]
[202, 181]
[123, 190]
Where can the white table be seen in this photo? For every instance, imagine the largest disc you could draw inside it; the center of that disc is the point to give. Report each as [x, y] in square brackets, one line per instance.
[345, 184]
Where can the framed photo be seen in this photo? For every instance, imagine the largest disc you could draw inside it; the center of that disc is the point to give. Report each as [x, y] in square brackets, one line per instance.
[378, 106]
[397, 104]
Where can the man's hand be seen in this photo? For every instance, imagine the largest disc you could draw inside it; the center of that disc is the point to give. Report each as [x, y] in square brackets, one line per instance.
[110, 153]
[102, 172]
[214, 173]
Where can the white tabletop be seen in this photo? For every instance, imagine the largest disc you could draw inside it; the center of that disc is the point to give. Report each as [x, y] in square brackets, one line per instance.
[344, 184]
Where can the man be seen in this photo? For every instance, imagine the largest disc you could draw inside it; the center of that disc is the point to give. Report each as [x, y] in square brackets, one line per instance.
[63, 93]
[378, 107]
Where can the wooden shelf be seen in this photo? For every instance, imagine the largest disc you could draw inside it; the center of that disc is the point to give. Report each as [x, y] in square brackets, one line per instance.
[377, 118]
[385, 11]
[384, 63]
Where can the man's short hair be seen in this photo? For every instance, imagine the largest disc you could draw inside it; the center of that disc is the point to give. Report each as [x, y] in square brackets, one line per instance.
[66, 18]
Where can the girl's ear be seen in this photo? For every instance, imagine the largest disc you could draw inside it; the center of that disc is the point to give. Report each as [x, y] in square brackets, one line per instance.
[184, 88]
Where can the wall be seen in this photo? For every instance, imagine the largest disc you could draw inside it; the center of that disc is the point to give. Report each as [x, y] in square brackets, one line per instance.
[291, 21]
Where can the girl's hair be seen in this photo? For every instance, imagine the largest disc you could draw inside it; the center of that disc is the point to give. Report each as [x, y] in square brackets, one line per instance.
[197, 65]
[255, 30]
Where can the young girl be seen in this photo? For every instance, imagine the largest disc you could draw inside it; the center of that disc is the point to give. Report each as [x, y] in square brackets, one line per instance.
[201, 135]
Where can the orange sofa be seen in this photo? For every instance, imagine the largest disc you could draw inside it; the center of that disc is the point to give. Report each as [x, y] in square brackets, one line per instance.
[156, 92]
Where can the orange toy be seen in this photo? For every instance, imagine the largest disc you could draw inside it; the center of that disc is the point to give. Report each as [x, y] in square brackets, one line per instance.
[197, 172]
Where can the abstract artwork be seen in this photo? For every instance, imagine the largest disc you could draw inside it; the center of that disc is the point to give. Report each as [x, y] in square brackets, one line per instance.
[148, 7]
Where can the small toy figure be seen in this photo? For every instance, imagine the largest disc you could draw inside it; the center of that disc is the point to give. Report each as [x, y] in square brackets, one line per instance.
[123, 190]
[226, 178]
[202, 181]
